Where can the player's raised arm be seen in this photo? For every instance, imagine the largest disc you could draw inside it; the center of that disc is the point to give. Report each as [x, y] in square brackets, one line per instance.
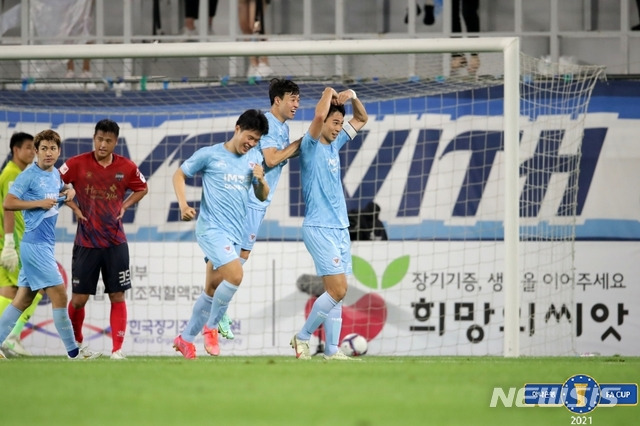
[187, 213]
[329, 95]
[360, 116]
[261, 188]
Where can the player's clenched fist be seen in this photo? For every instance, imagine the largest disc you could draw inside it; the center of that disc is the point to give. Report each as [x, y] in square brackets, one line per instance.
[187, 213]
[258, 172]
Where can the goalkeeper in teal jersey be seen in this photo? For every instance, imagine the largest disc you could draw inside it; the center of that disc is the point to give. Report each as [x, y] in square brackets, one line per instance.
[325, 229]
[228, 171]
[39, 192]
[12, 223]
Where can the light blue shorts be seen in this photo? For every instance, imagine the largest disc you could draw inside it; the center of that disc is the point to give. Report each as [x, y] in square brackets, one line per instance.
[254, 220]
[330, 249]
[217, 247]
[39, 267]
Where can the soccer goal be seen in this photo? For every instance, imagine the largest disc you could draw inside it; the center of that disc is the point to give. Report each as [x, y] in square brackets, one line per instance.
[471, 160]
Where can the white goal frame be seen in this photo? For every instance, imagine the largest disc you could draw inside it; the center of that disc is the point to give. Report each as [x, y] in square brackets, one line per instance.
[509, 46]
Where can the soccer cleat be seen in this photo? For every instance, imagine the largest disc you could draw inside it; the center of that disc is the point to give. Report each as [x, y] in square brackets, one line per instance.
[2, 355]
[118, 355]
[86, 353]
[301, 347]
[13, 344]
[339, 356]
[224, 327]
[211, 341]
[187, 349]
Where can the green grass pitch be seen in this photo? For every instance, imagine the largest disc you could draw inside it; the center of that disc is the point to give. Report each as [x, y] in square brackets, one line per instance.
[281, 391]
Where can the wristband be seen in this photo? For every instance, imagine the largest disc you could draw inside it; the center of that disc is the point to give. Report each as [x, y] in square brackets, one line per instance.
[354, 94]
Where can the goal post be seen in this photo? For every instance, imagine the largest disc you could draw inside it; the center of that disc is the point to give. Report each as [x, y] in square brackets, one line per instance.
[345, 63]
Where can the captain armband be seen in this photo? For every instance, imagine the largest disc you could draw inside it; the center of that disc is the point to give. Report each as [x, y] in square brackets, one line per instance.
[350, 130]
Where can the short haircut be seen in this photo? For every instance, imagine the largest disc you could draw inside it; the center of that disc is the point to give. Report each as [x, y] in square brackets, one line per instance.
[107, 126]
[253, 119]
[17, 139]
[47, 135]
[279, 87]
[333, 108]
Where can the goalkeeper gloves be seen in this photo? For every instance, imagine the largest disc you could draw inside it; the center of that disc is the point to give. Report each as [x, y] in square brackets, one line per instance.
[9, 257]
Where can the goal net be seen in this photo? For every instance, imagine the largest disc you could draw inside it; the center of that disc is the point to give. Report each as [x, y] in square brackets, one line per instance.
[470, 162]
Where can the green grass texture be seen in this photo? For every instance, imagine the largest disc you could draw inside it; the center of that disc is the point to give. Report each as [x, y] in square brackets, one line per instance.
[280, 391]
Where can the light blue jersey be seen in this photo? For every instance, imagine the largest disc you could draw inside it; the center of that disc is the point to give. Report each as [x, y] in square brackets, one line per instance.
[278, 137]
[226, 180]
[37, 184]
[39, 268]
[322, 190]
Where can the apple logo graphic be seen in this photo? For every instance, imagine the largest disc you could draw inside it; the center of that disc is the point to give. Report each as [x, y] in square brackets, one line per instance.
[368, 314]
[365, 317]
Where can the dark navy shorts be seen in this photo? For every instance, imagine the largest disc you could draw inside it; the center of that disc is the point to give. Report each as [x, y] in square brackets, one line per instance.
[88, 263]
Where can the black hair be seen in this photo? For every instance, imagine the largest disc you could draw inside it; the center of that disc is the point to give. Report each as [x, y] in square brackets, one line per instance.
[107, 126]
[253, 119]
[17, 139]
[279, 87]
[333, 108]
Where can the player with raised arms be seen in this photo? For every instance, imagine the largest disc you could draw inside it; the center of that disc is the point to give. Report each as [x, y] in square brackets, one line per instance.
[325, 229]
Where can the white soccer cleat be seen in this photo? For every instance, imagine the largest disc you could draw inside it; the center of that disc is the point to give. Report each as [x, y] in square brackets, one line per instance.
[86, 353]
[118, 355]
[301, 347]
[339, 356]
[14, 345]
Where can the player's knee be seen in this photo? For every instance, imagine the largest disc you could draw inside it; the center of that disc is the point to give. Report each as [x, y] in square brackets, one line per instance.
[338, 293]
[21, 304]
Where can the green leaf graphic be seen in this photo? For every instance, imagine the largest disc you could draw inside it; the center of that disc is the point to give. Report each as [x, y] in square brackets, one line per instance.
[395, 272]
[364, 272]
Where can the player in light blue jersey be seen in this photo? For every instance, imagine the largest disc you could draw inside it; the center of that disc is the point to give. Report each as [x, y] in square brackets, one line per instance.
[276, 149]
[228, 171]
[39, 191]
[325, 229]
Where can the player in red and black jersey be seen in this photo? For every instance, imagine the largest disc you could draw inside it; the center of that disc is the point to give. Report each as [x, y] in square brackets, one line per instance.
[101, 180]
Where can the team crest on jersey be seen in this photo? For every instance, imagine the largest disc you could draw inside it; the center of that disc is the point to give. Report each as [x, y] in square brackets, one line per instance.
[333, 164]
[252, 237]
[64, 169]
[227, 249]
[141, 176]
[336, 261]
[252, 165]
[89, 175]
[119, 176]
